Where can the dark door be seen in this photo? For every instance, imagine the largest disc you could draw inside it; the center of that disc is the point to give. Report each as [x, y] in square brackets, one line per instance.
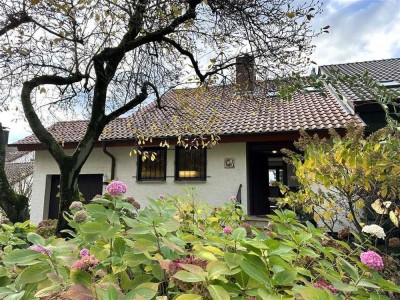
[89, 185]
[265, 168]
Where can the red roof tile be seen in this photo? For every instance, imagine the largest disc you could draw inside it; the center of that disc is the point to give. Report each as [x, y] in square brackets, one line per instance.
[216, 109]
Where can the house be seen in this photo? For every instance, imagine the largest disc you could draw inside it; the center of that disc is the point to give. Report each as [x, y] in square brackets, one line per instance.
[253, 127]
[19, 167]
[385, 72]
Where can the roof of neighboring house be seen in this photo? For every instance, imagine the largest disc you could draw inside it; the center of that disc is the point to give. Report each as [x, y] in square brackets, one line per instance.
[216, 109]
[12, 153]
[379, 70]
[17, 171]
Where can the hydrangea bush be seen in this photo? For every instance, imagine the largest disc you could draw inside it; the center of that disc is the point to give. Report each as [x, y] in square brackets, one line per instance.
[176, 248]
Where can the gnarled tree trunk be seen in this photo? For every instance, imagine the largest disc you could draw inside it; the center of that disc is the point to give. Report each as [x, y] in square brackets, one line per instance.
[69, 191]
[14, 205]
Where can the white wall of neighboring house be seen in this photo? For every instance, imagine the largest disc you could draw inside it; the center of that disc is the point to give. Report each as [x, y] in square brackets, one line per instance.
[30, 156]
[221, 183]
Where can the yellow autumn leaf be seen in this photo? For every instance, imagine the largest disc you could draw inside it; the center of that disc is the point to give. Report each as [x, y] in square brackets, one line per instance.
[290, 15]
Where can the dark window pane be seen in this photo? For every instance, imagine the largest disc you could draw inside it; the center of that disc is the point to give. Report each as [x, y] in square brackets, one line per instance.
[190, 164]
[153, 170]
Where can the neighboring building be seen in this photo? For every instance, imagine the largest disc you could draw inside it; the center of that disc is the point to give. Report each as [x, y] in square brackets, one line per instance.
[253, 129]
[385, 72]
[19, 168]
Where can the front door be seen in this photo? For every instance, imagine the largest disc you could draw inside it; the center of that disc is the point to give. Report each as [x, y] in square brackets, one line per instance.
[89, 185]
[265, 168]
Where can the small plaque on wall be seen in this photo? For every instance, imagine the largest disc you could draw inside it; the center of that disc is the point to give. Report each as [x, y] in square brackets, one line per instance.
[229, 163]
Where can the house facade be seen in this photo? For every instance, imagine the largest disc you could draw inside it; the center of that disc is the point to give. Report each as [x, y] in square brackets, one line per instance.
[253, 126]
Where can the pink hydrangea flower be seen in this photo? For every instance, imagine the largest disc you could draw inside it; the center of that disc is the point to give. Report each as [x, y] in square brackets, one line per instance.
[87, 263]
[233, 198]
[227, 230]
[322, 284]
[161, 197]
[372, 260]
[40, 249]
[84, 252]
[116, 188]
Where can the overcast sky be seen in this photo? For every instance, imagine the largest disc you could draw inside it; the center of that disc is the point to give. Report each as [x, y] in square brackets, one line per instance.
[360, 30]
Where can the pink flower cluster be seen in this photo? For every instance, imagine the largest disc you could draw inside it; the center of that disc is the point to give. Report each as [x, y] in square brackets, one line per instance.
[227, 230]
[87, 262]
[372, 260]
[40, 249]
[116, 188]
[322, 284]
[84, 252]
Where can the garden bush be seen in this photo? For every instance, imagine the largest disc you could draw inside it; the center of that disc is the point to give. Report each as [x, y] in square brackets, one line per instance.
[178, 248]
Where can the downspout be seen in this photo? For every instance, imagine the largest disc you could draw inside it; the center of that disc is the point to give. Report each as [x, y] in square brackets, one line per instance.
[106, 152]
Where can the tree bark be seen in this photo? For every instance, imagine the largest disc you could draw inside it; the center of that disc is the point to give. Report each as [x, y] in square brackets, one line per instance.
[69, 192]
[14, 205]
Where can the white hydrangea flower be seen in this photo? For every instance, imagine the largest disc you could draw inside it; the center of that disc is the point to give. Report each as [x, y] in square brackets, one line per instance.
[374, 230]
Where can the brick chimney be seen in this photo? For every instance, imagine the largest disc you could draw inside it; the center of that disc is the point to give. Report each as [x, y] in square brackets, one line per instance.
[6, 132]
[245, 73]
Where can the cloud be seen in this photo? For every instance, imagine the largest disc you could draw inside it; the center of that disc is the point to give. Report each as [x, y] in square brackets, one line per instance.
[360, 30]
[17, 125]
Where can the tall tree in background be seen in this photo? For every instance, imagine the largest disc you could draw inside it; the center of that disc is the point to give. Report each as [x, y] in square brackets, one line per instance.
[14, 205]
[108, 56]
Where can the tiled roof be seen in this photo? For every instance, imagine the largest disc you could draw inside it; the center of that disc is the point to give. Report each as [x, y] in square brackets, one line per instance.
[17, 171]
[12, 153]
[379, 70]
[217, 109]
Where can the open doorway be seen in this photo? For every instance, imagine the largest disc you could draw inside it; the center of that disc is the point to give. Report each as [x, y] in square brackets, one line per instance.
[265, 168]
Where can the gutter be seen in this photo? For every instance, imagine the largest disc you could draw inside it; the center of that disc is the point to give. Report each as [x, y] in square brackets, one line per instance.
[106, 152]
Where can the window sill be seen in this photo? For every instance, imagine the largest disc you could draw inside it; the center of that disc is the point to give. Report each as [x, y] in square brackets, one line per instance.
[190, 180]
[151, 181]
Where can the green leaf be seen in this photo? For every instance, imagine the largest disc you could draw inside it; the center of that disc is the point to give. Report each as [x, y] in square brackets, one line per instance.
[188, 297]
[112, 293]
[141, 293]
[81, 277]
[344, 287]
[351, 270]
[217, 268]
[312, 293]
[36, 239]
[144, 245]
[94, 227]
[376, 296]
[217, 292]
[186, 276]
[35, 273]
[21, 256]
[284, 278]
[233, 259]
[16, 296]
[255, 273]
[367, 283]
[119, 246]
[239, 233]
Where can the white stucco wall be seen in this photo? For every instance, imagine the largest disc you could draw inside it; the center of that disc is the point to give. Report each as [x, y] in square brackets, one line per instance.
[220, 185]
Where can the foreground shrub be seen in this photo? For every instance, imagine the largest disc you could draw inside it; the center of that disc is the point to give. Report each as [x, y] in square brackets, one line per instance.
[352, 180]
[180, 249]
